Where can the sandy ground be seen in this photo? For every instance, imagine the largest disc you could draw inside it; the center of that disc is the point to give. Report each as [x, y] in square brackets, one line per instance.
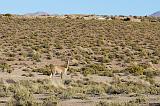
[16, 75]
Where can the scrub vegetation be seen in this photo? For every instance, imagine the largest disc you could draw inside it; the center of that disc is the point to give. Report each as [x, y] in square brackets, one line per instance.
[112, 62]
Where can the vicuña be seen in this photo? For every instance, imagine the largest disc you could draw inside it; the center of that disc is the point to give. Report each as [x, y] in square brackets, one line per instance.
[58, 70]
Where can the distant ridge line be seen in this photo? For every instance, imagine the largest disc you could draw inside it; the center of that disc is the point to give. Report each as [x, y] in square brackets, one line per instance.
[156, 14]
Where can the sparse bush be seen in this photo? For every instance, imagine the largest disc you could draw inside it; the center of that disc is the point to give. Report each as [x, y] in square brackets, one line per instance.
[10, 59]
[45, 70]
[3, 90]
[150, 72]
[23, 96]
[108, 73]
[94, 90]
[50, 101]
[8, 15]
[36, 57]
[5, 67]
[117, 89]
[58, 46]
[126, 88]
[102, 103]
[26, 70]
[105, 103]
[28, 75]
[127, 19]
[139, 100]
[153, 90]
[65, 94]
[67, 82]
[9, 70]
[73, 70]
[87, 70]
[94, 69]
[49, 57]
[155, 61]
[79, 96]
[136, 70]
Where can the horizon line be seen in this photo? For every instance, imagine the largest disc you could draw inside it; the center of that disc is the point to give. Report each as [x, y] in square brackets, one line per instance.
[24, 13]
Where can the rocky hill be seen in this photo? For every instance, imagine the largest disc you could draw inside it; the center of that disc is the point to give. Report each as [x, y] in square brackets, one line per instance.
[37, 14]
[156, 14]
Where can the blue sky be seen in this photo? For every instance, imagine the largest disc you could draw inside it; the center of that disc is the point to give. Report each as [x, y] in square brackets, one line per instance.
[108, 7]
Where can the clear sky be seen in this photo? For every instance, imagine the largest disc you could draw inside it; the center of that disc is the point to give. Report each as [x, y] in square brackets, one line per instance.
[107, 7]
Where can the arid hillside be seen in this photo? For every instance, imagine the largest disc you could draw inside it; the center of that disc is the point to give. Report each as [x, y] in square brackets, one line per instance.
[112, 62]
